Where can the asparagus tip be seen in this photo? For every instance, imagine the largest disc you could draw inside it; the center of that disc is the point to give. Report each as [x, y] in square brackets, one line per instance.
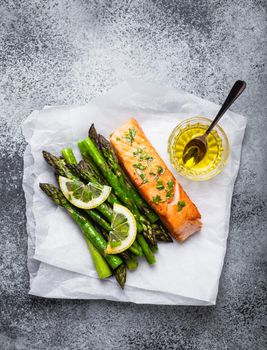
[92, 133]
[120, 274]
[54, 193]
[50, 158]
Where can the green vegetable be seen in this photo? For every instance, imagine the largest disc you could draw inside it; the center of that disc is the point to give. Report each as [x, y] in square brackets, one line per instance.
[144, 178]
[181, 205]
[160, 185]
[146, 250]
[169, 191]
[163, 236]
[140, 166]
[120, 274]
[146, 157]
[130, 135]
[138, 151]
[131, 263]
[83, 170]
[112, 160]
[72, 171]
[105, 147]
[159, 170]
[69, 156]
[101, 266]
[170, 184]
[157, 199]
[86, 226]
[83, 151]
[63, 170]
[116, 184]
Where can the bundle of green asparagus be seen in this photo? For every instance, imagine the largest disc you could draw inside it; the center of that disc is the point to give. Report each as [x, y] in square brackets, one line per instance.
[99, 170]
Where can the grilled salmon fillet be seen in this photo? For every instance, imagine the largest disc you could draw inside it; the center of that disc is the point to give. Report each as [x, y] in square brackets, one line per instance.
[154, 181]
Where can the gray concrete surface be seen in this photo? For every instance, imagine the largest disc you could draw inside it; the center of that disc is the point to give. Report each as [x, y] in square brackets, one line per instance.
[64, 52]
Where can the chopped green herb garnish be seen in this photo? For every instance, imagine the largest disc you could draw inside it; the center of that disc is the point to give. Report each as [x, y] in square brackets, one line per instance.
[159, 170]
[157, 199]
[130, 135]
[139, 150]
[118, 139]
[146, 157]
[152, 173]
[143, 177]
[170, 184]
[169, 193]
[160, 185]
[180, 205]
[140, 166]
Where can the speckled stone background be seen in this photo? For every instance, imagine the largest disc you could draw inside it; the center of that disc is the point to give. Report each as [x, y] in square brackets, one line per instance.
[65, 52]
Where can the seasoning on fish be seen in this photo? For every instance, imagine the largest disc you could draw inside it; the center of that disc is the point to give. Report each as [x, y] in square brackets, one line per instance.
[154, 181]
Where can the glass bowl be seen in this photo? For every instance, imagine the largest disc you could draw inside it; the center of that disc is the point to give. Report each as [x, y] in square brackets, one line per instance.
[216, 156]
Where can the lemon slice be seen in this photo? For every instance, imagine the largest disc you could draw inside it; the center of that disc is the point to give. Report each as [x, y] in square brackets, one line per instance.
[123, 230]
[83, 196]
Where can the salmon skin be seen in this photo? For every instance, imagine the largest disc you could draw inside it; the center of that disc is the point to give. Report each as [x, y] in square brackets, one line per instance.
[154, 181]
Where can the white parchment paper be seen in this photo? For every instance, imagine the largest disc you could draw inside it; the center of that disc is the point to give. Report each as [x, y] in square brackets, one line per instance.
[58, 259]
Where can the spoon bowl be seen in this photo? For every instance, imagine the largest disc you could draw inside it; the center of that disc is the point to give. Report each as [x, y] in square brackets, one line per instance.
[195, 151]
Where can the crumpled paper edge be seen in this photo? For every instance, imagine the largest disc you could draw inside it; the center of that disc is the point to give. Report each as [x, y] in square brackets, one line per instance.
[32, 264]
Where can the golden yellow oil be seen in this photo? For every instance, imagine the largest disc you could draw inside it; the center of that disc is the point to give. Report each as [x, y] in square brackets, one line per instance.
[214, 153]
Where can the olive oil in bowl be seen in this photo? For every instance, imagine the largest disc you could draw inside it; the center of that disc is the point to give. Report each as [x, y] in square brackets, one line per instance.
[215, 158]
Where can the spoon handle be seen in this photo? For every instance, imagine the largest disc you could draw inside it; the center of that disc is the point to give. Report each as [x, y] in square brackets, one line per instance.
[237, 89]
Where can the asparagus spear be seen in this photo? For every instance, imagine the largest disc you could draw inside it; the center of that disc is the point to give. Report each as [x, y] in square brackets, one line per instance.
[84, 171]
[120, 274]
[107, 228]
[113, 162]
[68, 171]
[61, 169]
[87, 159]
[86, 226]
[126, 256]
[92, 133]
[131, 263]
[95, 154]
[146, 249]
[102, 268]
[69, 156]
[163, 235]
[114, 182]
[71, 160]
[154, 249]
[110, 177]
[106, 150]
[98, 219]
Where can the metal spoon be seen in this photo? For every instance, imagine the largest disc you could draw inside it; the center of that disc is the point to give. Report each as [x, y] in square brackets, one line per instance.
[196, 148]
